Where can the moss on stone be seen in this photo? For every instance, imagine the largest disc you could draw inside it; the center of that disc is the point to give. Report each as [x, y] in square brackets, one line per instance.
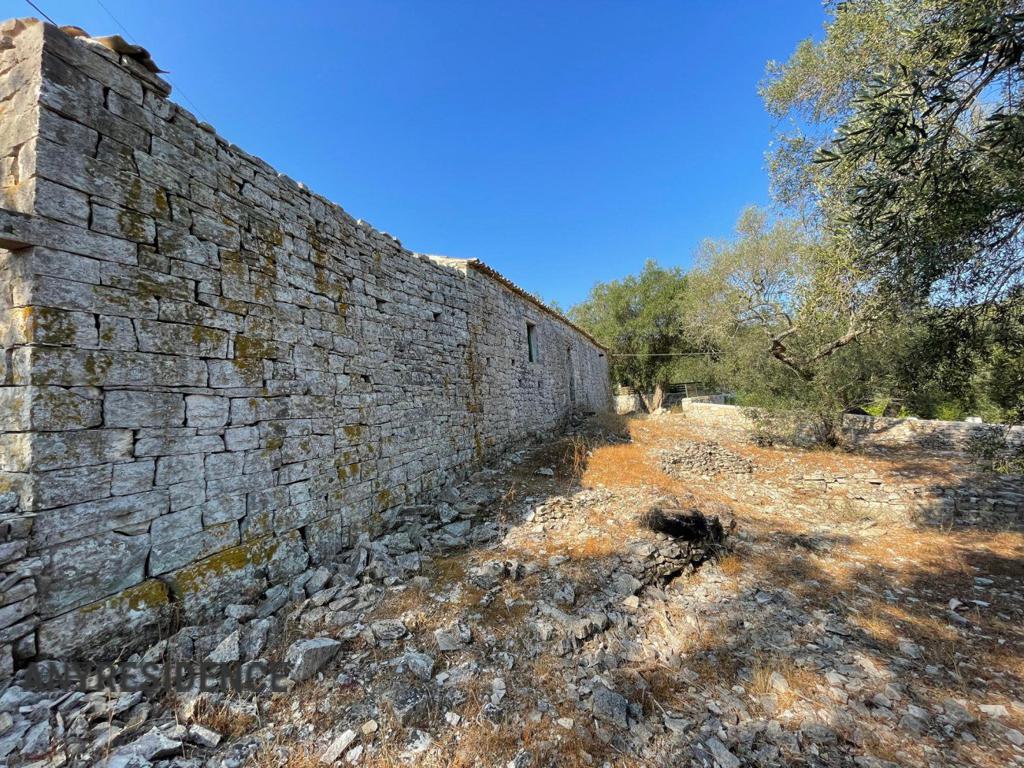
[152, 593]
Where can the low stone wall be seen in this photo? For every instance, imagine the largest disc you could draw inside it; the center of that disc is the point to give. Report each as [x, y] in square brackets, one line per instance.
[869, 431]
[211, 375]
[913, 485]
[632, 403]
[962, 494]
[623, 404]
[966, 500]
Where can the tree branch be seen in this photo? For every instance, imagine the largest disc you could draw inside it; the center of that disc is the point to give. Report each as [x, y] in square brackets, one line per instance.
[781, 353]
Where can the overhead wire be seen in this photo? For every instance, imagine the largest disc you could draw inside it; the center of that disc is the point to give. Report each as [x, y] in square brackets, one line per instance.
[132, 38]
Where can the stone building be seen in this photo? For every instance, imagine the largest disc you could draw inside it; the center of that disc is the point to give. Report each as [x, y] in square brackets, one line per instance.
[210, 372]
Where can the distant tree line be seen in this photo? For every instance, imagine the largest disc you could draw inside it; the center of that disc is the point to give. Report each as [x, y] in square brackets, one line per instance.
[889, 275]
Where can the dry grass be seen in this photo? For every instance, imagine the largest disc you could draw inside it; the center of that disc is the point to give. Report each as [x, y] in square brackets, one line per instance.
[223, 719]
[799, 683]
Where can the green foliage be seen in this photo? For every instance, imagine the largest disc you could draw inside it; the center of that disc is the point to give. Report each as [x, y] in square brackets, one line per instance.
[899, 286]
[641, 320]
[813, 92]
[925, 174]
[992, 450]
[789, 316]
[951, 366]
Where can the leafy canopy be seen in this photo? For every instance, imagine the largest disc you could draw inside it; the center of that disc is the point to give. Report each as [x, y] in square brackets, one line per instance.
[905, 136]
[641, 320]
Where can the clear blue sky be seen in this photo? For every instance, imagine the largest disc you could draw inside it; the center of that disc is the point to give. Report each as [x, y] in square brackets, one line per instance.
[561, 142]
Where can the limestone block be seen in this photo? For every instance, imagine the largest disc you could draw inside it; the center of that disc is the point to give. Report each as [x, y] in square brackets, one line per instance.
[175, 525]
[133, 477]
[96, 517]
[87, 570]
[73, 367]
[62, 487]
[178, 469]
[101, 629]
[221, 465]
[326, 537]
[223, 509]
[226, 374]
[20, 591]
[171, 442]
[207, 410]
[63, 450]
[47, 325]
[298, 515]
[16, 631]
[15, 612]
[67, 237]
[123, 408]
[123, 222]
[183, 549]
[46, 408]
[260, 506]
[61, 203]
[287, 557]
[236, 484]
[12, 550]
[185, 495]
[178, 243]
[177, 339]
[233, 575]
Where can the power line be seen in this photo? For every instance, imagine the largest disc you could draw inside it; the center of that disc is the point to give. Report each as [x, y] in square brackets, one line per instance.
[132, 38]
[661, 354]
[41, 12]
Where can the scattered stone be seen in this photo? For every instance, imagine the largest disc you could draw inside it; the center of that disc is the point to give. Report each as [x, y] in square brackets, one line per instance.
[337, 747]
[957, 714]
[204, 737]
[306, 657]
[994, 710]
[722, 755]
[610, 706]
[453, 638]
[388, 630]
[227, 650]
[420, 664]
[409, 704]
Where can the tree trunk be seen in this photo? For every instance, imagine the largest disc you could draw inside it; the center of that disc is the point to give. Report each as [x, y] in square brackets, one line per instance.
[651, 400]
[659, 397]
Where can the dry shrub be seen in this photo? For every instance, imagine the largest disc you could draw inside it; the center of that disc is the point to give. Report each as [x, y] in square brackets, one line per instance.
[574, 460]
[731, 565]
[223, 719]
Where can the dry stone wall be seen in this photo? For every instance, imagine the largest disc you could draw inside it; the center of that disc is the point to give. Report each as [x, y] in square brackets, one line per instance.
[211, 375]
[964, 494]
[869, 432]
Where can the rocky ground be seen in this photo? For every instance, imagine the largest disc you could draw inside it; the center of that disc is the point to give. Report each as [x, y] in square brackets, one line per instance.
[531, 618]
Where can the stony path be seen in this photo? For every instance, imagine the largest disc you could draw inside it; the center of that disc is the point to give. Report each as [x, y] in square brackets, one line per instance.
[530, 619]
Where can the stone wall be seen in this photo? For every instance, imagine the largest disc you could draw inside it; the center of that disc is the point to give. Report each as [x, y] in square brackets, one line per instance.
[211, 375]
[870, 432]
[962, 494]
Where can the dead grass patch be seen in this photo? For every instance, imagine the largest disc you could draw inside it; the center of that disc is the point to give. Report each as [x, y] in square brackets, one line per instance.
[223, 719]
[799, 683]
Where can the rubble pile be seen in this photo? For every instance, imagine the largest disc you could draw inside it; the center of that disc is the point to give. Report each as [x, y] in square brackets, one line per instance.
[703, 458]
